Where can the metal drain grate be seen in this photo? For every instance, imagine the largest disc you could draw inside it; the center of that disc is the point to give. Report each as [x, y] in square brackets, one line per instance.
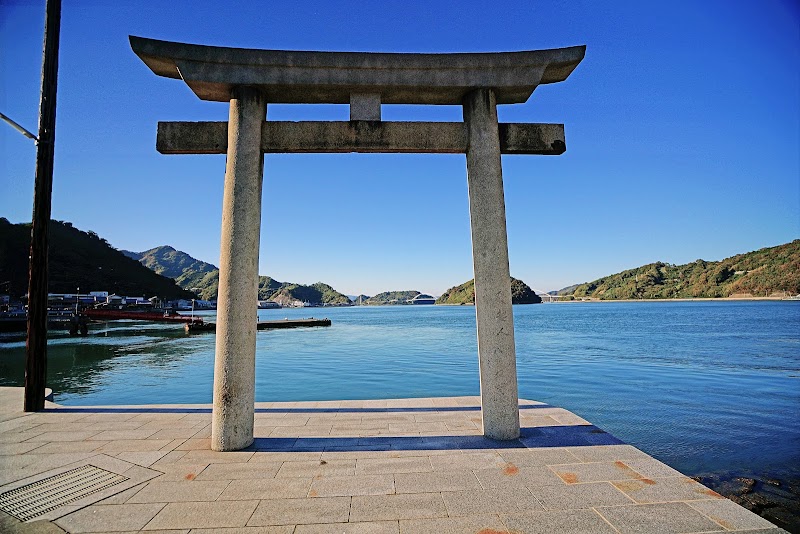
[38, 498]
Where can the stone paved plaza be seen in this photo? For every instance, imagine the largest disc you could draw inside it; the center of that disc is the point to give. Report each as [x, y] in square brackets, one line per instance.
[378, 466]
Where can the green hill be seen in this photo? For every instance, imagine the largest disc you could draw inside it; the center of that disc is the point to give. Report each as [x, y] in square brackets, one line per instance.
[390, 297]
[171, 263]
[764, 272]
[78, 259]
[203, 278]
[318, 293]
[465, 294]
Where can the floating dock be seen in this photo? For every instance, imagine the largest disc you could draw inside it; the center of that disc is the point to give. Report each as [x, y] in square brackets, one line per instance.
[262, 325]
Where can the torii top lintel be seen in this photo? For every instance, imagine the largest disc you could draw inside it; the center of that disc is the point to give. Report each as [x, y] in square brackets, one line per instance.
[286, 76]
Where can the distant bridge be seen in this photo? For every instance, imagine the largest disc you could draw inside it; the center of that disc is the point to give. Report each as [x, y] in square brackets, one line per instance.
[547, 297]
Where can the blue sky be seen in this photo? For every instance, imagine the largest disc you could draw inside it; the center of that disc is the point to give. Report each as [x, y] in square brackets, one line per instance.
[682, 124]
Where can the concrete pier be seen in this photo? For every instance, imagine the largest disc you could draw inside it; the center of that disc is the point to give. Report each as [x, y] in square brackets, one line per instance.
[493, 312]
[379, 466]
[234, 363]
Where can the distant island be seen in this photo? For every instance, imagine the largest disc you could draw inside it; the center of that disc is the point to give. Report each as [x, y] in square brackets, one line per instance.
[772, 271]
[465, 294]
[387, 298]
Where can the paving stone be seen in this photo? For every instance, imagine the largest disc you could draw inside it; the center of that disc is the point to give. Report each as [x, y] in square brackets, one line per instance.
[289, 456]
[352, 485]
[536, 421]
[575, 496]
[539, 456]
[317, 468]
[235, 471]
[392, 507]
[665, 490]
[512, 476]
[7, 449]
[594, 472]
[212, 457]
[357, 453]
[411, 464]
[39, 463]
[301, 511]
[416, 426]
[730, 515]
[493, 501]
[178, 472]
[203, 515]
[662, 518]
[8, 463]
[168, 531]
[437, 481]
[186, 491]
[601, 453]
[283, 529]
[174, 433]
[122, 496]
[369, 527]
[63, 427]
[300, 431]
[195, 444]
[270, 488]
[290, 420]
[102, 518]
[145, 459]
[134, 445]
[17, 437]
[469, 460]
[54, 437]
[69, 446]
[461, 426]
[563, 522]
[170, 459]
[652, 468]
[487, 524]
[117, 435]
[204, 433]
[569, 419]
[112, 425]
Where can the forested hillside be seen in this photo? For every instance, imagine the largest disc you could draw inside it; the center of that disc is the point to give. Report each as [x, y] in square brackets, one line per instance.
[78, 259]
[465, 294]
[203, 279]
[764, 272]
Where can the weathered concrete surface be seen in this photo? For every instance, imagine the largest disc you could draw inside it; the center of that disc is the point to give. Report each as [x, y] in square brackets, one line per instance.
[365, 107]
[359, 136]
[384, 466]
[331, 77]
[493, 312]
[234, 362]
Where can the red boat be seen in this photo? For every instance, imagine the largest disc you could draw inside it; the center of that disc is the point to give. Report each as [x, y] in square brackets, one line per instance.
[166, 316]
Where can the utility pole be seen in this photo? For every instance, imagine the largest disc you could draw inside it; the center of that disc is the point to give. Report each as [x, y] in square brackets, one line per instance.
[36, 345]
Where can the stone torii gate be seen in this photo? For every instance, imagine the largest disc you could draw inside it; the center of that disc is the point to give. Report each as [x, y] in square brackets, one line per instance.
[249, 79]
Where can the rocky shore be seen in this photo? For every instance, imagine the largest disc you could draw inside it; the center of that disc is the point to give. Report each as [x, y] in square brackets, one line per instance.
[775, 500]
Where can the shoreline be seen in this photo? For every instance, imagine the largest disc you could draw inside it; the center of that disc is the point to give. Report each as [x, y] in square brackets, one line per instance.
[696, 299]
[592, 300]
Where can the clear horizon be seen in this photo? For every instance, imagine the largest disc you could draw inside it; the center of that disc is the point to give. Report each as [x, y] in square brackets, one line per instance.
[682, 127]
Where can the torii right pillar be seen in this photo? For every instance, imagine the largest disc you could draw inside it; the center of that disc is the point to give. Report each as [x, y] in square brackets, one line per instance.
[493, 312]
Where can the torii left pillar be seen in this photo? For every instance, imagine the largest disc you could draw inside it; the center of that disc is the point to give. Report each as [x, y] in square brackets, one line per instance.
[235, 358]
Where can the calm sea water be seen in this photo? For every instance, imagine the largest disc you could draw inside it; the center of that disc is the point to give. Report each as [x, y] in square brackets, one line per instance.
[706, 387]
